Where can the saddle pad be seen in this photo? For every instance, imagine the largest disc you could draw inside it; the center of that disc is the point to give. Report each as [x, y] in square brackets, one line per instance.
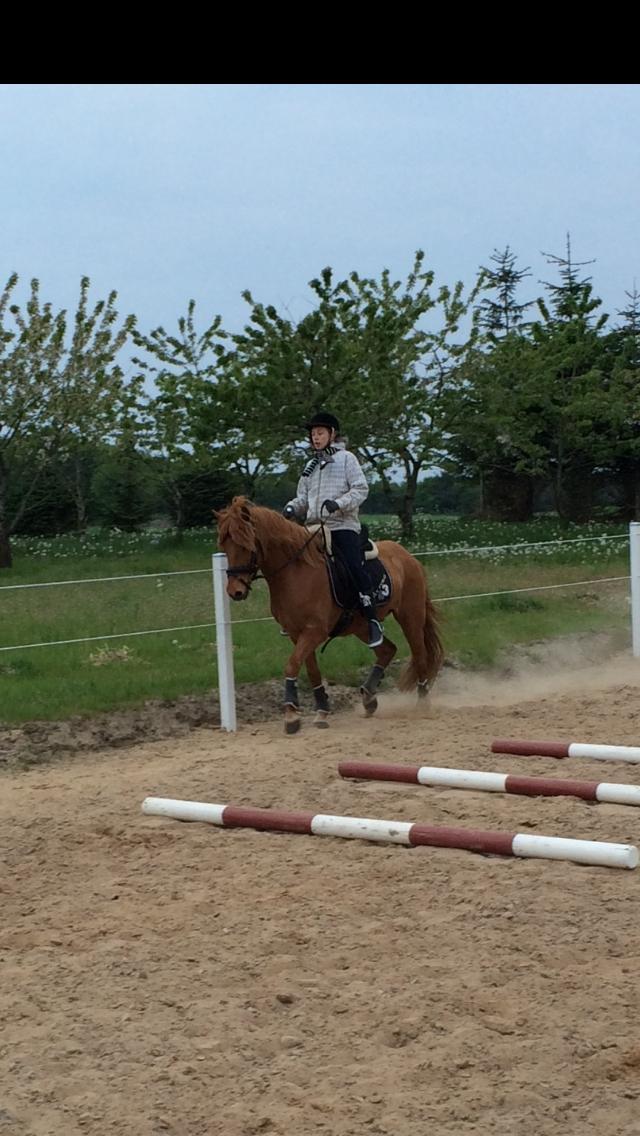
[344, 590]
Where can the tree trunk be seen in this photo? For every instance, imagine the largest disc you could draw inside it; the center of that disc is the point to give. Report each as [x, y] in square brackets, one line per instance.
[483, 494]
[6, 558]
[407, 505]
[79, 497]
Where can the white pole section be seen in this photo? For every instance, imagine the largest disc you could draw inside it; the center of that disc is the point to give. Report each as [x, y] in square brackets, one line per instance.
[224, 643]
[580, 851]
[634, 551]
[183, 810]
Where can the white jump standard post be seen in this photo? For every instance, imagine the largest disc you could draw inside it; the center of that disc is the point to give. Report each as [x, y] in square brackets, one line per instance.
[634, 569]
[476, 779]
[398, 832]
[224, 643]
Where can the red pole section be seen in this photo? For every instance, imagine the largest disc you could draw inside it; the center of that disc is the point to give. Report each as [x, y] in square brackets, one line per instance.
[276, 820]
[548, 787]
[470, 839]
[530, 749]
[368, 770]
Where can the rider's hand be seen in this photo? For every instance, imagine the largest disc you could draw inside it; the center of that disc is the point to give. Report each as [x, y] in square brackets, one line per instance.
[330, 506]
[289, 512]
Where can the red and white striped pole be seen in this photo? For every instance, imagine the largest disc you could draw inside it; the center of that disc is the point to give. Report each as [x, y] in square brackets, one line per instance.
[493, 782]
[398, 832]
[565, 749]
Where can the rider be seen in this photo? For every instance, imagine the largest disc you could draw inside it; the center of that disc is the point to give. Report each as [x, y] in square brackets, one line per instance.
[331, 489]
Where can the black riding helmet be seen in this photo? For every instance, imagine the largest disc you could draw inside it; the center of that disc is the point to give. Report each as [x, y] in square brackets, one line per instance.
[323, 418]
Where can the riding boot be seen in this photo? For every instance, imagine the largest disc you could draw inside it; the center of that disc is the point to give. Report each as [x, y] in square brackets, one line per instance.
[369, 612]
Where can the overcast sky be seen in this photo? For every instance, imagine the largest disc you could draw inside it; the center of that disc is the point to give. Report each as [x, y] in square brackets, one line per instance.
[167, 192]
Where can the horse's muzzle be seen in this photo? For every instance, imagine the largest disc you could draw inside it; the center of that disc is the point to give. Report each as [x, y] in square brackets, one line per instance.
[238, 597]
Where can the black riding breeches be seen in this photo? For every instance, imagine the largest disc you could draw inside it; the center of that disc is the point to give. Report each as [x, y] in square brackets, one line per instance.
[346, 544]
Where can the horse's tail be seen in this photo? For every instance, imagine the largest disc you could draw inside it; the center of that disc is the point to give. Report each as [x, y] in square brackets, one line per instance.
[408, 678]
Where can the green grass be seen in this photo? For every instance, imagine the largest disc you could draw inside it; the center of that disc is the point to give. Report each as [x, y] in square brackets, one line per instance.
[59, 681]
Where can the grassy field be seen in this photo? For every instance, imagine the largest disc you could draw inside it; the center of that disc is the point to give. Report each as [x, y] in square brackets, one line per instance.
[52, 682]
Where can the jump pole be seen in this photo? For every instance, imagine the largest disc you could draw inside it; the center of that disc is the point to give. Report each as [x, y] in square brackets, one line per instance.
[398, 832]
[492, 782]
[566, 749]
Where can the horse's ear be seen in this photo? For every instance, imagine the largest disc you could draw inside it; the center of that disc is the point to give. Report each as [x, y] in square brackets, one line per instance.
[245, 513]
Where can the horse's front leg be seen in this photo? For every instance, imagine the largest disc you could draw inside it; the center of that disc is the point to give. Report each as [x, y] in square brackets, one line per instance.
[320, 696]
[306, 644]
[384, 654]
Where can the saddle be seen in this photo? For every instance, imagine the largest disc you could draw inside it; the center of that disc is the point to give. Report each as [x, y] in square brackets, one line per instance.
[343, 589]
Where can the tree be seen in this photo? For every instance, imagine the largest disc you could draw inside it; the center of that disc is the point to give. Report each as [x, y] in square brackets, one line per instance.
[365, 351]
[503, 314]
[95, 393]
[48, 391]
[190, 423]
[493, 411]
[571, 370]
[122, 490]
[625, 405]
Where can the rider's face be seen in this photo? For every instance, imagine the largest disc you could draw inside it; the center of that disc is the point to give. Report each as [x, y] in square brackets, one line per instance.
[320, 437]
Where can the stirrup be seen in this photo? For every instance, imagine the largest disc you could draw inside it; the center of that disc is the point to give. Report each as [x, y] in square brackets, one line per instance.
[376, 635]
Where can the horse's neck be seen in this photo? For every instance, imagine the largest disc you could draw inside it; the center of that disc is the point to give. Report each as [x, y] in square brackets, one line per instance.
[268, 555]
[273, 556]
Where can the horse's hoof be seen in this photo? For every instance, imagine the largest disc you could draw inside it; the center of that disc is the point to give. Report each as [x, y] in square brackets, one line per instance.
[292, 725]
[320, 719]
[370, 703]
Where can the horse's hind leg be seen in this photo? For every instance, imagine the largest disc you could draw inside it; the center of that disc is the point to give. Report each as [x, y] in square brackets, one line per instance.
[418, 668]
[320, 696]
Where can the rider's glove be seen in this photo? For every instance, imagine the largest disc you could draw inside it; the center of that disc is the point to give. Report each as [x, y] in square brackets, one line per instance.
[330, 506]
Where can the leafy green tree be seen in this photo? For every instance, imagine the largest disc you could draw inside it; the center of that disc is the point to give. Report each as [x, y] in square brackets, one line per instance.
[96, 394]
[367, 351]
[537, 404]
[493, 411]
[51, 391]
[194, 421]
[122, 490]
[571, 374]
[50, 509]
[197, 492]
[624, 391]
[500, 313]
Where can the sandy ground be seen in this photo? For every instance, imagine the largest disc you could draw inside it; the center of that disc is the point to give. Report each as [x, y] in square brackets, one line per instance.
[158, 977]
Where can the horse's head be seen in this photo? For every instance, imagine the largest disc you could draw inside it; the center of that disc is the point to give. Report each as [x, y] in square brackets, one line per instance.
[237, 539]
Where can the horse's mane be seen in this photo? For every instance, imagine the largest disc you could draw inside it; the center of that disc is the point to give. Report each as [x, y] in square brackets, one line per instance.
[254, 527]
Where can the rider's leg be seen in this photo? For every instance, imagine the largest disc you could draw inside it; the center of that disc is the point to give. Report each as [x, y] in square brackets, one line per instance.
[347, 544]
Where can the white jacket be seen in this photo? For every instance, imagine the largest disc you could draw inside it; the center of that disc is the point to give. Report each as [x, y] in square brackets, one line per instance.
[337, 477]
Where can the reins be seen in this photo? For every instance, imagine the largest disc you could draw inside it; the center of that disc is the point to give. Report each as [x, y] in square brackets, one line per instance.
[251, 569]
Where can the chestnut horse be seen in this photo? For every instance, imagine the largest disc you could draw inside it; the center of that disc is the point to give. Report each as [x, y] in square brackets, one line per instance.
[292, 561]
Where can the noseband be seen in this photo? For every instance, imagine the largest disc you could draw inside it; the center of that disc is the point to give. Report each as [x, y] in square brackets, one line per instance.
[250, 570]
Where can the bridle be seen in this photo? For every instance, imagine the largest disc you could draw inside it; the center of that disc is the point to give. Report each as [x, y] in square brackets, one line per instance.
[252, 570]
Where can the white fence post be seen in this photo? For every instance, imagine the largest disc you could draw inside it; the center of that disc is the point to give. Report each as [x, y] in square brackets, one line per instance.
[634, 550]
[224, 643]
